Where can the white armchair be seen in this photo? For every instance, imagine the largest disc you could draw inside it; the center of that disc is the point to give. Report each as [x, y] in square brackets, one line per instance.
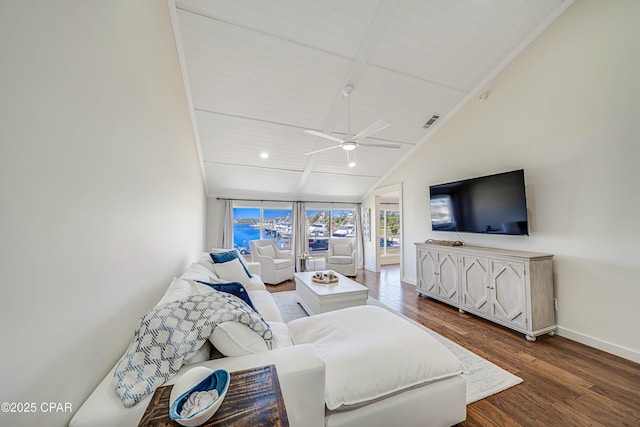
[276, 265]
[342, 256]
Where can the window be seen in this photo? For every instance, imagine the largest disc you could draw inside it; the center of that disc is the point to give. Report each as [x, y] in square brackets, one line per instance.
[275, 222]
[253, 223]
[246, 227]
[389, 232]
[318, 230]
[323, 223]
[343, 223]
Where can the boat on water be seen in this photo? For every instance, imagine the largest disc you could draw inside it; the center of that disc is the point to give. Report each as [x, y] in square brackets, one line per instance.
[344, 231]
[317, 228]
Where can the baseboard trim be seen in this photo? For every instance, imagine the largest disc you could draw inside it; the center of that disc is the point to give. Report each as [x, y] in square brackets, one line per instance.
[408, 280]
[625, 353]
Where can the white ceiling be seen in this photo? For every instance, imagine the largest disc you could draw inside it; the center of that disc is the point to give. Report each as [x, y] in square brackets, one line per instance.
[262, 71]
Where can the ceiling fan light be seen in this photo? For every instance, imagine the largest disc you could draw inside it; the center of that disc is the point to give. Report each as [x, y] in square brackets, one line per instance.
[352, 164]
[349, 145]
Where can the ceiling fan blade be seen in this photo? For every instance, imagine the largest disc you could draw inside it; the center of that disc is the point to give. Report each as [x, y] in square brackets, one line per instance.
[379, 145]
[323, 149]
[374, 127]
[324, 135]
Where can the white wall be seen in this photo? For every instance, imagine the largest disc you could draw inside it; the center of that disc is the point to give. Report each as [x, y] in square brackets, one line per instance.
[102, 195]
[567, 111]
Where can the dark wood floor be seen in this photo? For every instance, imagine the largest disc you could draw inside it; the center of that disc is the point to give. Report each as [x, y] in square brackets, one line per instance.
[565, 383]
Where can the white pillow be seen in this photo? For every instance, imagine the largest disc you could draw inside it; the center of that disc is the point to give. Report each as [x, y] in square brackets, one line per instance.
[267, 251]
[197, 272]
[240, 256]
[405, 355]
[281, 334]
[232, 271]
[237, 339]
[342, 249]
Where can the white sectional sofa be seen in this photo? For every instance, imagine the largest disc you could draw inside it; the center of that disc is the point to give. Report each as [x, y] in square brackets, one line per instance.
[352, 367]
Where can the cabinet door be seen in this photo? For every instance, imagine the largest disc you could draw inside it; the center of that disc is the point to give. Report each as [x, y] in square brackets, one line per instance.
[474, 284]
[447, 276]
[427, 262]
[507, 288]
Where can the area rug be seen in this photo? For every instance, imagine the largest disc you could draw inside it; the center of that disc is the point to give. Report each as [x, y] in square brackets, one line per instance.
[483, 377]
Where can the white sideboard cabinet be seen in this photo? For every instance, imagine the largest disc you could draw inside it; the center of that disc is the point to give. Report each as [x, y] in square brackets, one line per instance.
[512, 288]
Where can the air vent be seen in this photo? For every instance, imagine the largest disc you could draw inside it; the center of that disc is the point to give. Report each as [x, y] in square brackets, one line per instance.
[431, 121]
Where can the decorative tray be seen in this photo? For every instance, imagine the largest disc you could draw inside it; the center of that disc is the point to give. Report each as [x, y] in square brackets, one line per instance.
[324, 278]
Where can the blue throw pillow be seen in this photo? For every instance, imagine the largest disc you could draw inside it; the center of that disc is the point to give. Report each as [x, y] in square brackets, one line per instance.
[222, 257]
[233, 288]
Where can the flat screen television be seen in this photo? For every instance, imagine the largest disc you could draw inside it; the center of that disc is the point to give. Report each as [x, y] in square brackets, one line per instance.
[493, 204]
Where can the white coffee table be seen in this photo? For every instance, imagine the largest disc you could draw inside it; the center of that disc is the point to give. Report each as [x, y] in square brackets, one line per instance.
[318, 298]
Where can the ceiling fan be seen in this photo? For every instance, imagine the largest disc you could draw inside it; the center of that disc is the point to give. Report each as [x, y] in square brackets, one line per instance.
[351, 143]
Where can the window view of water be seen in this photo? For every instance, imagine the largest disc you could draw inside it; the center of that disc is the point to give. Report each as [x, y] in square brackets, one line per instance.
[243, 233]
[255, 223]
[275, 224]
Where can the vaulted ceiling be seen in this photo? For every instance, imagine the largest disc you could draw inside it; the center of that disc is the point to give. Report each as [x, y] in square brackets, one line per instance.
[260, 72]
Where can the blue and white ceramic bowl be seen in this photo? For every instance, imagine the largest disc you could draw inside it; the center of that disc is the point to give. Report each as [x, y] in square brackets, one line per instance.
[198, 379]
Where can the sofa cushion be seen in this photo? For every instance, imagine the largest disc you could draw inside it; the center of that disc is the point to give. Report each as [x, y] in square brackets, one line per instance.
[405, 355]
[267, 251]
[179, 288]
[339, 259]
[282, 263]
[281, 335]
[236, 339]
[266, 306]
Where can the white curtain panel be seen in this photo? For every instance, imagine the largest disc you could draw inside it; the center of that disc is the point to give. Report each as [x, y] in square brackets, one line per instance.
[227, 225]
[300, 241]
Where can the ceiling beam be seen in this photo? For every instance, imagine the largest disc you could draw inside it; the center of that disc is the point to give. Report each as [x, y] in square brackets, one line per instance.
[369, 44]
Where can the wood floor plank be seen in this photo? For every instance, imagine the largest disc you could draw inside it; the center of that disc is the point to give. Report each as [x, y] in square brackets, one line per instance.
[575, 417]
[483, 413]
[565, 383]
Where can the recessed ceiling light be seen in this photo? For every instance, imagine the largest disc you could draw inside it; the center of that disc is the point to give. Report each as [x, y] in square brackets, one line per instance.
[264, 155]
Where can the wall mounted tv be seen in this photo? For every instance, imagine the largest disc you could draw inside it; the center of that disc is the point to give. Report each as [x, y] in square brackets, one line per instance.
[494, 204]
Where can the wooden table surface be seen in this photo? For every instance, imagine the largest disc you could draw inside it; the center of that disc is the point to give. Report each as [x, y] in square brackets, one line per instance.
[254, 398]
